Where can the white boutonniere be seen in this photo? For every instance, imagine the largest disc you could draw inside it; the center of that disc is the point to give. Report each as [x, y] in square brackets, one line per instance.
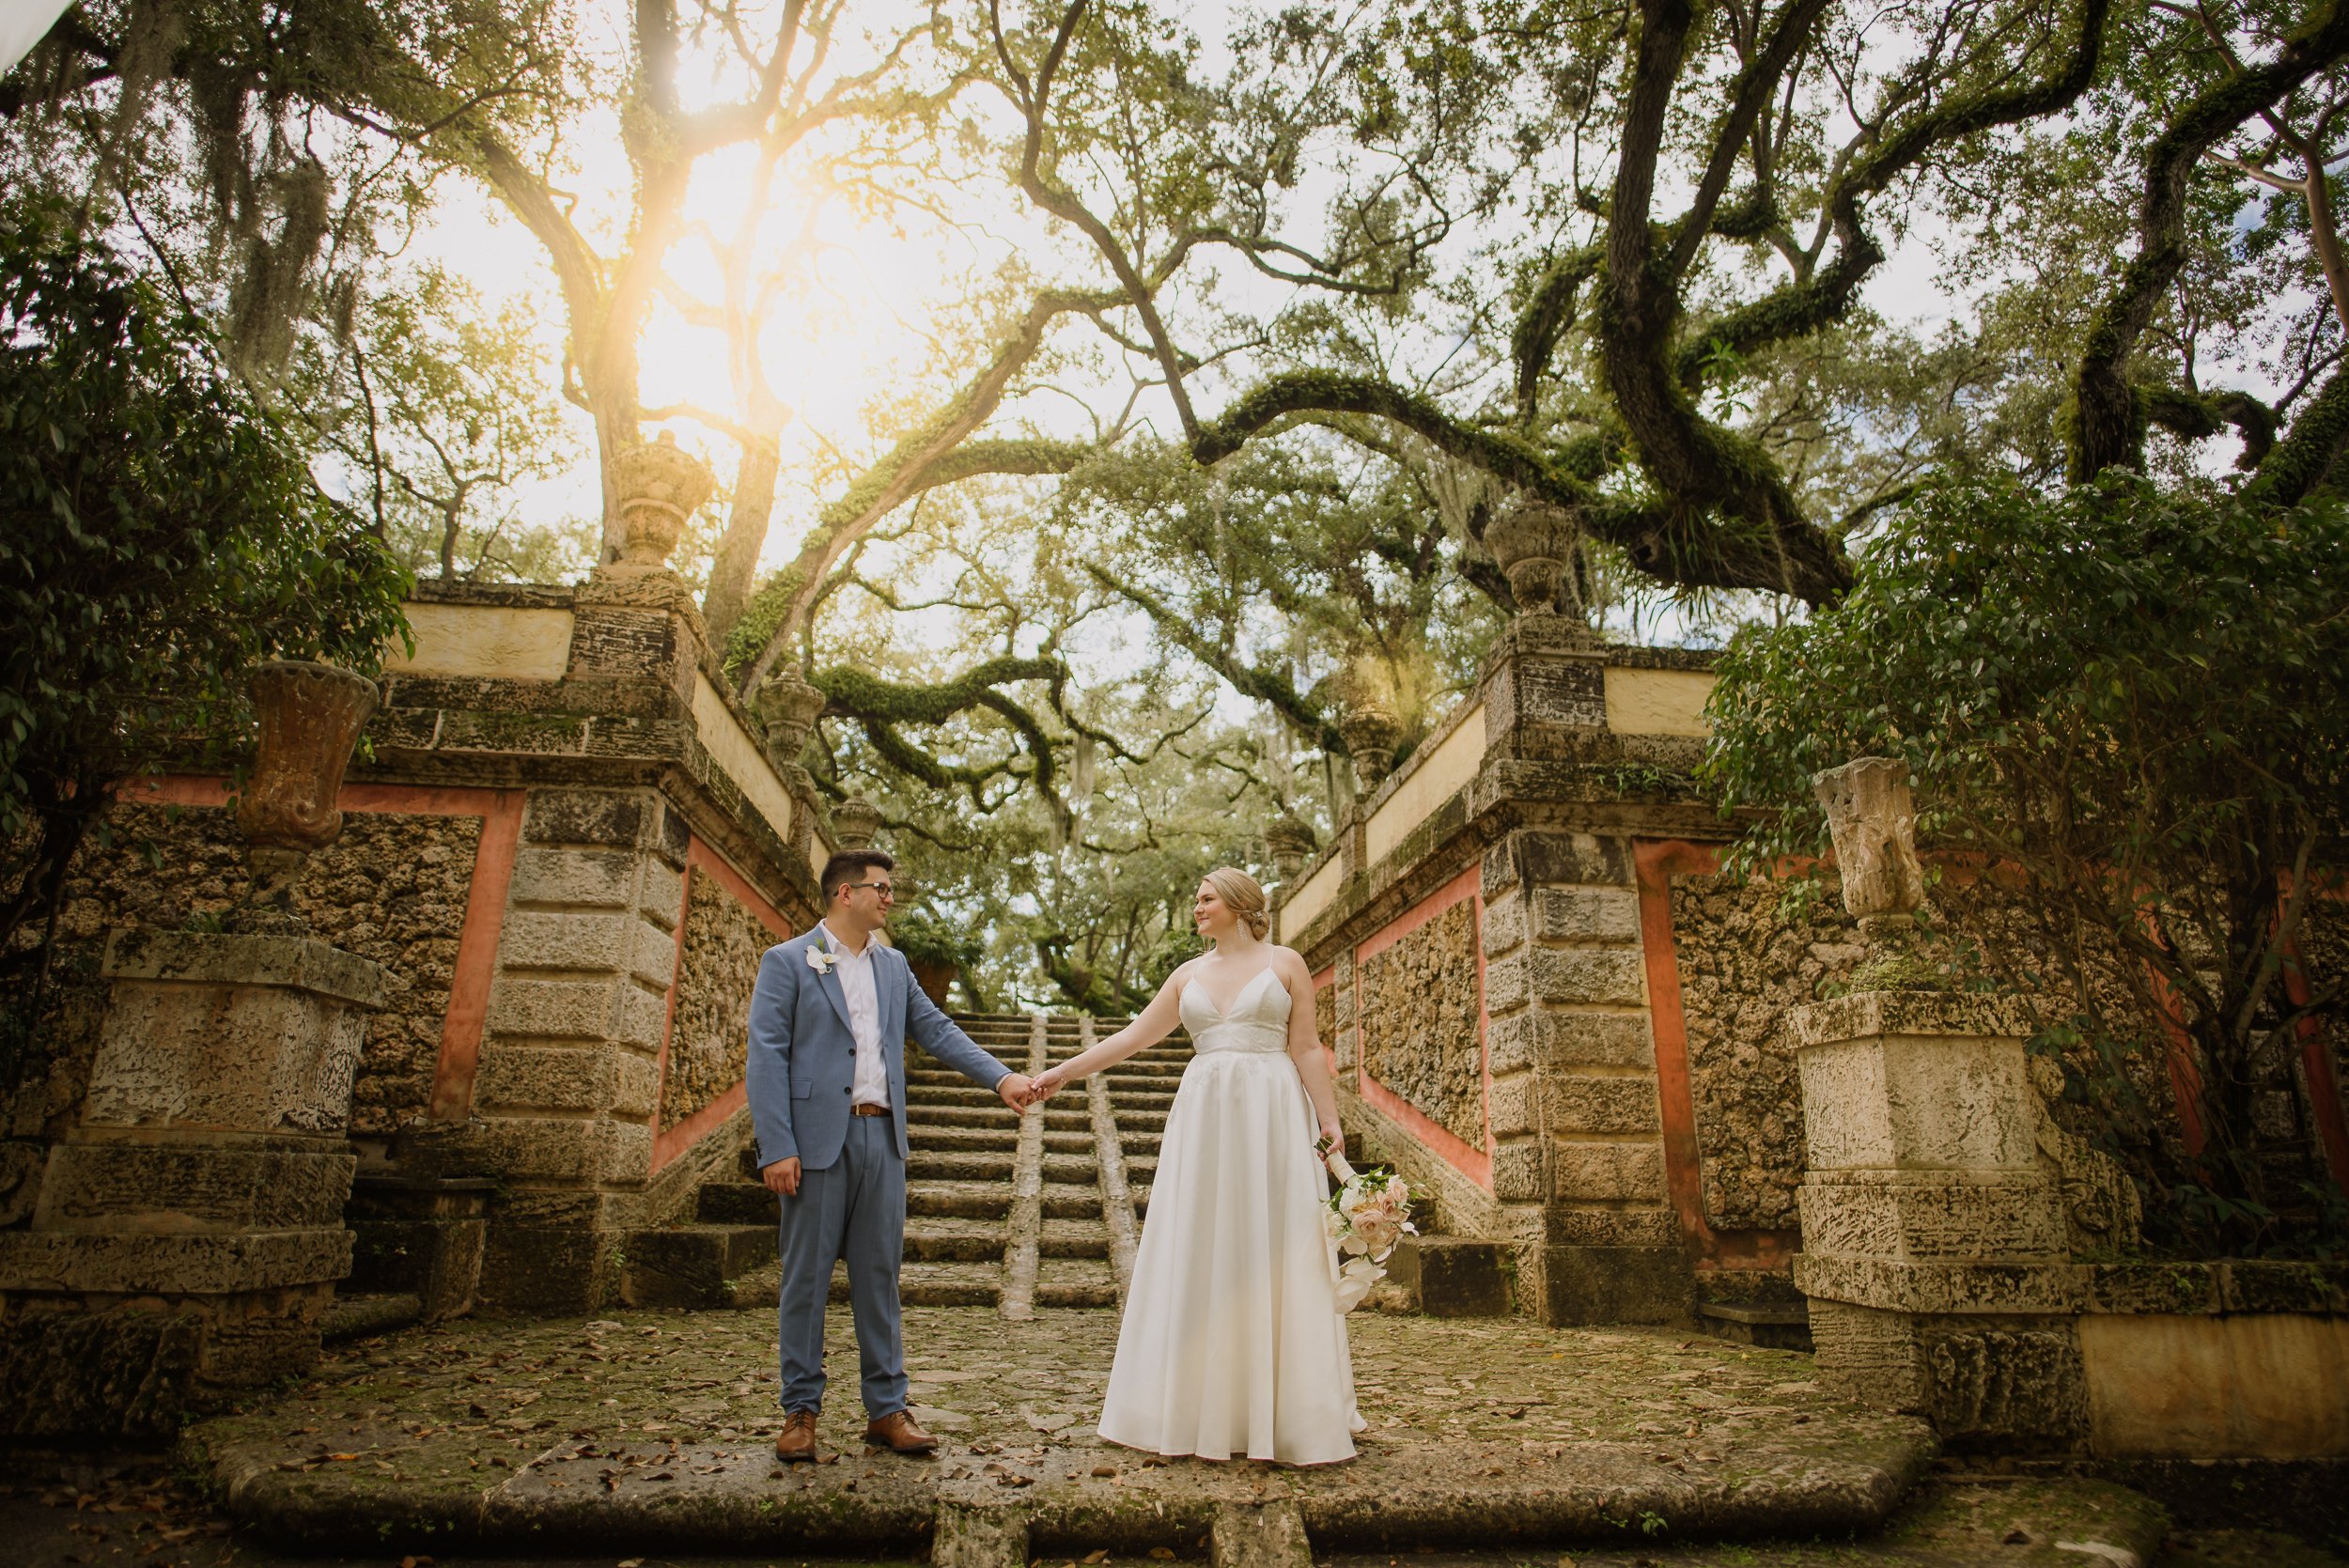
[821, 961]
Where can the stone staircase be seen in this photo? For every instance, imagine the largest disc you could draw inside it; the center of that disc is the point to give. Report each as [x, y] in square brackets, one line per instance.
[1019, 1213]
[1007, 1211]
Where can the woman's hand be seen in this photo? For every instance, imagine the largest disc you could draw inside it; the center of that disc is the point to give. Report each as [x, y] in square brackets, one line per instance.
[1046, 1084]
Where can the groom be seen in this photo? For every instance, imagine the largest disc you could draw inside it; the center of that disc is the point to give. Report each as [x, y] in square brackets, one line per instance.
[827, 1076]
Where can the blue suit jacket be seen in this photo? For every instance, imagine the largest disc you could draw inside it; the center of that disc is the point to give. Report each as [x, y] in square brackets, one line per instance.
[802, 1054]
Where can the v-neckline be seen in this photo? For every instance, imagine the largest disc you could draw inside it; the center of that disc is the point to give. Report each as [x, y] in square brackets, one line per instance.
[1225, 1011]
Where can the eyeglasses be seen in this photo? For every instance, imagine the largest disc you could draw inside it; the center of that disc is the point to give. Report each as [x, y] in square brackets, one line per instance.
[884, 888]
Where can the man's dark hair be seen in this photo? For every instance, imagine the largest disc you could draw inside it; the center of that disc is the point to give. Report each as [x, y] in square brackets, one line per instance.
[849, 865]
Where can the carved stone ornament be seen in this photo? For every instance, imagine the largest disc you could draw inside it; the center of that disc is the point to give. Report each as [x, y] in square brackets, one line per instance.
[1873, 819]
[1534, 544]
[1370, 729]
[311, 716]
[855, 821]
[1289, 842]
[658, 487]
[789, 706]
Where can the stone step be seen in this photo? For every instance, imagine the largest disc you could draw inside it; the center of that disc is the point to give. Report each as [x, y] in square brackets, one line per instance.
[691, 1264]
[735, 1203]
[1075, 1282]
[1071, 1167]
[941, 1165]
[958, 1114]
[980, 1199]
[962, 1139]
[1067, 1200]
[941, 1284]
[1073, 1238]
[953, 1239]
[1448, 1276]
[1058, 1142]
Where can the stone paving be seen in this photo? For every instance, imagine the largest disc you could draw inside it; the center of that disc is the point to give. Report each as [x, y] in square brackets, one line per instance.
[653, 1429]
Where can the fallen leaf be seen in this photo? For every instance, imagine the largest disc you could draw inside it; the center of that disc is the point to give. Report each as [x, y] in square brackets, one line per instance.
[1102, 1556]
[1104, 1470]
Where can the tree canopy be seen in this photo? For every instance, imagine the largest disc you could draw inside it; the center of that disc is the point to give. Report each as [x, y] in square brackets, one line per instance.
[1219, 356]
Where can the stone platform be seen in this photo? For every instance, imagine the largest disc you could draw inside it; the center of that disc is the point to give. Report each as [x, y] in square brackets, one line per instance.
[651, 1432]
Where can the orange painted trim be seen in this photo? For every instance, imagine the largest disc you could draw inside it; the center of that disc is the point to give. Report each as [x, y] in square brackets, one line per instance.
[666, 1146]
[702, 860]
[1471, 1161]
[1656, 862]
[501, 812]
[463, 1026]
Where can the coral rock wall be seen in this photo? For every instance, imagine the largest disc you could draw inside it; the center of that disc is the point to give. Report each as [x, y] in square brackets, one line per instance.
[393, 889]
[1748, 953]
[1421, 1037]
[723, 942]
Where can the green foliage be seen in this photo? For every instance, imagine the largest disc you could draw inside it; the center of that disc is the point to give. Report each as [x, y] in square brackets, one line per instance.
[925, 937]
[159, 534]
[2134, 704]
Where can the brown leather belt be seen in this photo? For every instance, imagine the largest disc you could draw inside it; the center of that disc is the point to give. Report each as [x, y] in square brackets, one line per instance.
[868, 1110]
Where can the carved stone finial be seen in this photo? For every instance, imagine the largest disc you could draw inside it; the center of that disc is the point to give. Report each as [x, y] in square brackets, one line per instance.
[311, 716]
[1874, 820]
[788, 706]
[1533, 543]
[855, 822]
[1289, 841]
[657, 487]
[1370, 728]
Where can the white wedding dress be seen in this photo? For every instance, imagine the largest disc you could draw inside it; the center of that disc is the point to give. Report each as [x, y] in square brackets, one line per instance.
[1231, 1340]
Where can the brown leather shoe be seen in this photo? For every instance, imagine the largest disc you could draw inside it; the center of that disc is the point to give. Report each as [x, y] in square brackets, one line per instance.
[796, 1442]
[896, 1432]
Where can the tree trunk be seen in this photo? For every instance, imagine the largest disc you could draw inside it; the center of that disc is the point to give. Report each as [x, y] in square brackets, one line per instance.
[736, 568]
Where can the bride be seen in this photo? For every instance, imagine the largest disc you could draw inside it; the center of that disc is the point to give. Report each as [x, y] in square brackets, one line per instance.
[1231, 1340]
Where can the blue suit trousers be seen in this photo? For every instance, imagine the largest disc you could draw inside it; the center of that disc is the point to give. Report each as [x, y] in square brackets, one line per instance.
[854, 1208]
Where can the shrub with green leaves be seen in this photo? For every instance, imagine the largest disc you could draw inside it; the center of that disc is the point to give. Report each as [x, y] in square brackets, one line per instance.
[2134, 701]
[160, 534]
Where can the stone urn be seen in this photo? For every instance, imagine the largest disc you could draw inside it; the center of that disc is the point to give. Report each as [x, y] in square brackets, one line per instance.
[1289, 842]
[855, 821]
[658, 487]
[311, 716]
[1534, 544]
[1370, 729]
[789, 706]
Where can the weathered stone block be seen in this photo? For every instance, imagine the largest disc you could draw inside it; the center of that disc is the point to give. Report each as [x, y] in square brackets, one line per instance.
[541, 1148]
[556, 1009]
[1455, 1276]
[423, 1239]
[641, 1017]
[564, 941]
[2007, 1383]
[1512, 1105]
[1508, 982]
[1615, 1284]
[1979, 1286]
[1922, 1102]
[628, 817]
[525, 1078]
[179, 1186]
[1933, 1217]
[533, 1269]
[2259, 1286]
[1574, 1103]
[528, 734]
[1504, 925]
[1562, 1041]
[48, 1260]
[661, 893]
[1517, 1172]
[1587, 914]
[256, 1035]
[1615, 1172]
[2152, 1287]
[1604, 1224]
[1547, 858]
[1589, 976]
[71, 1373]
[595, 879]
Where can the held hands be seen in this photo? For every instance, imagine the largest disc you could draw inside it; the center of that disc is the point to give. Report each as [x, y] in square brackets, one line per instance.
[1045, 1085]
[1016, 1091]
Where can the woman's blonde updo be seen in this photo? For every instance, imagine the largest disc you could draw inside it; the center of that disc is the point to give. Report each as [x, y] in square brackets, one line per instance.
[1244, 896]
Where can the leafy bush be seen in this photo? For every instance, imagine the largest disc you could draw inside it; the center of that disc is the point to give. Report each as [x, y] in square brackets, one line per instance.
[160, 534]
[2132, 706]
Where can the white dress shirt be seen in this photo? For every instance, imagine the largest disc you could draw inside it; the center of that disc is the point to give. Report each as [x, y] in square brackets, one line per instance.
[869, 1083]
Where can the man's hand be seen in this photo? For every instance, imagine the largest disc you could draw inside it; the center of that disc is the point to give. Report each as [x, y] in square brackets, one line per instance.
[781, 1176]
[1045, 1085]
[1013, 1087]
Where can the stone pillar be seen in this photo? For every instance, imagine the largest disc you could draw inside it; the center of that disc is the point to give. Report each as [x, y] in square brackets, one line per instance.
[1573, 1089]
[1933, 1241]
[563, 1101]
[190, 1227]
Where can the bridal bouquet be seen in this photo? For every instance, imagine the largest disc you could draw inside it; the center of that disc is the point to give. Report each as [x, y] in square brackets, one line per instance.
[1368, 1215]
